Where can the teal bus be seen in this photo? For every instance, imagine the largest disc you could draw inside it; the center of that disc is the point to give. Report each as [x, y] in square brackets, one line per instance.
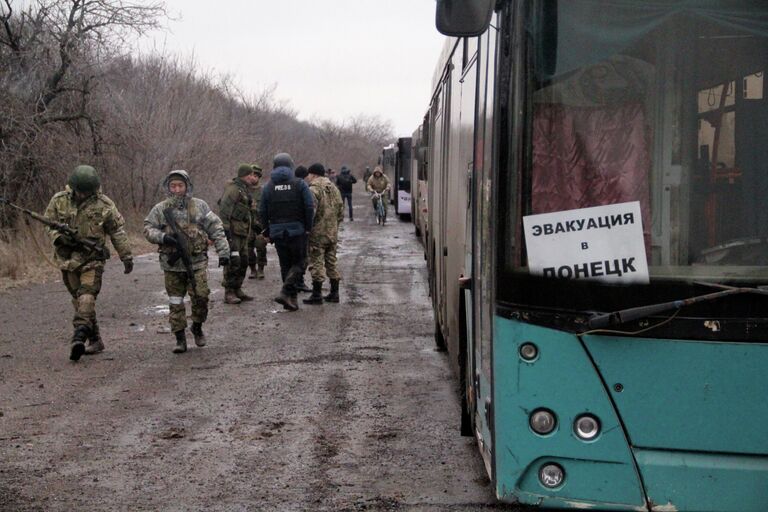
[597, 247]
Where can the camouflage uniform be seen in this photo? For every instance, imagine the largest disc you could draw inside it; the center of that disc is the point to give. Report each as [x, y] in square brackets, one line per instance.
[235, 208]
[200, 224]
[257, 244]
[95, 218]
[329, 212]
[378, 184]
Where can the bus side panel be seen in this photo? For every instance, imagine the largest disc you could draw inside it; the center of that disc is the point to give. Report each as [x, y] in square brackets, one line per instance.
[563, 380]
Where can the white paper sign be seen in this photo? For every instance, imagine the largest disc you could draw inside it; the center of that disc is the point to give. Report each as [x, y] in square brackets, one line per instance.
[603, 243]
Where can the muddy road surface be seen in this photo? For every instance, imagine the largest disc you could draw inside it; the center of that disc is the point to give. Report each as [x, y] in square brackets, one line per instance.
[335, 407]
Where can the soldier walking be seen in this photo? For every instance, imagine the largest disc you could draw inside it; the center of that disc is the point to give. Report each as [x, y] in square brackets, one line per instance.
[235, 212]
[287, 211]
[196, 225]
[329, 212]
[257, 244]
[94, 216]
[301, 172]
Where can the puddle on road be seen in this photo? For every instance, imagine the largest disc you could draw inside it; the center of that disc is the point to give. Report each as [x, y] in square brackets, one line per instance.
[159, 310]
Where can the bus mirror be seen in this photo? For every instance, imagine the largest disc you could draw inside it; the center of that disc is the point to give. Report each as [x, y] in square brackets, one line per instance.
[463, 18]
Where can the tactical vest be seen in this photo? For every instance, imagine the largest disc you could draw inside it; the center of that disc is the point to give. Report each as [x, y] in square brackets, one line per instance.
[285, 202]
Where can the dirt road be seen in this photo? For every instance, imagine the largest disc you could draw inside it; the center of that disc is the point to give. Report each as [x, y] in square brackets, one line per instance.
[334, 407]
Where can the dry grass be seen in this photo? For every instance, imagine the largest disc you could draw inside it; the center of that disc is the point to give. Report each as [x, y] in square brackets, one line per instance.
[27, 258]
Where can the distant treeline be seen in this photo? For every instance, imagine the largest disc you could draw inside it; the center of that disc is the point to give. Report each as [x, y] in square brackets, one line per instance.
[71, 92]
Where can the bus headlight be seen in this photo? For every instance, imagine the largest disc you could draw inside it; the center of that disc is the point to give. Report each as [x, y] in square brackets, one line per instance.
[528, 351]
[551, 476]
[586, 427]
[542, 421]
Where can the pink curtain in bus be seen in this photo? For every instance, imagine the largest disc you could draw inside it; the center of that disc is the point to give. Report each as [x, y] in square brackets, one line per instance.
[591, 156]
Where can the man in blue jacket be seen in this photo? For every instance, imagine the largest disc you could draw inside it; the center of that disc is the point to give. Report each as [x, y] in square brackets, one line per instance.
[287, 211]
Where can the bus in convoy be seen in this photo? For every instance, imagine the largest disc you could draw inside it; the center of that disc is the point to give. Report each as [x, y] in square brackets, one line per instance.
[419, 179]
[396, 163]
[596, 235]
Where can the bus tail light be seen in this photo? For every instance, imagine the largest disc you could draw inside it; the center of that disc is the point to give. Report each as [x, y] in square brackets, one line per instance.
[551, 476]
[542, 421]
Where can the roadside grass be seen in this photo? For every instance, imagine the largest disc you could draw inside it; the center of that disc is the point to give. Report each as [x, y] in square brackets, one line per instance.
[26, 255]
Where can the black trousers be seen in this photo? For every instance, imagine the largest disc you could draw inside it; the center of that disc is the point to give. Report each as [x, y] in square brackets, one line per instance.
[292, 253]
[347, 197]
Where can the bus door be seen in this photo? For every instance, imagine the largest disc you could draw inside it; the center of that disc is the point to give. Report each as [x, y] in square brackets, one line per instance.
[480, 249]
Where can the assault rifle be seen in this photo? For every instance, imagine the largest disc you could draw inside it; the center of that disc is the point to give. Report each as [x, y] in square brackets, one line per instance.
[182, 248]
[62, 228]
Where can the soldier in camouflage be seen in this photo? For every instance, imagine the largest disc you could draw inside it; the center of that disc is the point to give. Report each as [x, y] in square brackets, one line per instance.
[329, 212]
[257, 244]
[199, 224]
[93, 215]
[235, 212]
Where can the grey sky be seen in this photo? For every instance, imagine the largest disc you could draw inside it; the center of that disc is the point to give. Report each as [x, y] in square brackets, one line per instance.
[329, 58]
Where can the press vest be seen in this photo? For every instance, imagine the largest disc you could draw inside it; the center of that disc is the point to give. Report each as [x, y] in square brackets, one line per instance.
[285, 202]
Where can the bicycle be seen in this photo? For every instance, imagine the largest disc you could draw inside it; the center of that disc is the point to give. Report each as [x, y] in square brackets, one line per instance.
[380, 209]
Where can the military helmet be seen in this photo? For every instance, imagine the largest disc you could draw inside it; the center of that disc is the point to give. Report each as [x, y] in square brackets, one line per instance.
[84, 179]
[282, 160]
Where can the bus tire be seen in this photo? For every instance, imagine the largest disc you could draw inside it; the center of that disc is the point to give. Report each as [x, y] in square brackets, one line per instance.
[439, 338]
[466, 427]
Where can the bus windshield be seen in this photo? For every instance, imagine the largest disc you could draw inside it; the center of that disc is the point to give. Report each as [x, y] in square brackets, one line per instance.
[661, 103]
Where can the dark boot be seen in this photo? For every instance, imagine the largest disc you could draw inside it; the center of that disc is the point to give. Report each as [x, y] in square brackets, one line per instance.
[302, 286]
[334, 295]
[197, 332]
[78, 342]
[317, 294]
[242, 295]
[230, 297]
[253, 273]
[181, 342]
[287, 301]
[260, 272]
[95, 344]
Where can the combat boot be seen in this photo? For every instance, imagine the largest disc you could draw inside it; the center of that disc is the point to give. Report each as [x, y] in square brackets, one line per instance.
[95, 345]
[230, 297]
[287, 301]
[334, 295]
[181, 342]
[260, 272]
[254, 273]
[317, 293]
[197, 332]
[78, 342]
[242, 295]
[302, 286]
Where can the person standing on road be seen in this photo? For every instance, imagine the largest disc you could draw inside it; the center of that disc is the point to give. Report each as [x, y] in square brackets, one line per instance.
[331, 175]
[378, 183]
[257, 244]
[345, 182]
[235, 212]
[94, 216]
[197, 224]
[301, 173]
[367, 174]
[329, 212]
[287, 211]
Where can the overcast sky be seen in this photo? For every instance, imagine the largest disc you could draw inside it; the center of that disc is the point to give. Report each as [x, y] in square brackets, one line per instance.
[328, 58]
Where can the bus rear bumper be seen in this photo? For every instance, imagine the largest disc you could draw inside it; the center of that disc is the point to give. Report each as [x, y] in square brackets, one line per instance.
[705, 482]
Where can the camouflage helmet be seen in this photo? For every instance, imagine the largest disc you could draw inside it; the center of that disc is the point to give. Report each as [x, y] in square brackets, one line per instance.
[84, 179]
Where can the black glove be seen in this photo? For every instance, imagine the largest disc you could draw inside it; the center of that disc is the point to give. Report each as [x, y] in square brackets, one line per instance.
[223, 262]
[128, 264]
[170, 240]
[228, 235]
[234, 260]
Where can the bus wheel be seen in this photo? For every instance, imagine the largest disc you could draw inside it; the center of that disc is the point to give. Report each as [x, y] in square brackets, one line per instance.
[439, 338]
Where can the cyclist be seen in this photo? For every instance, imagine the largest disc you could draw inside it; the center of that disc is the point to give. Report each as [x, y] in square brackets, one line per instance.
[378, 183]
